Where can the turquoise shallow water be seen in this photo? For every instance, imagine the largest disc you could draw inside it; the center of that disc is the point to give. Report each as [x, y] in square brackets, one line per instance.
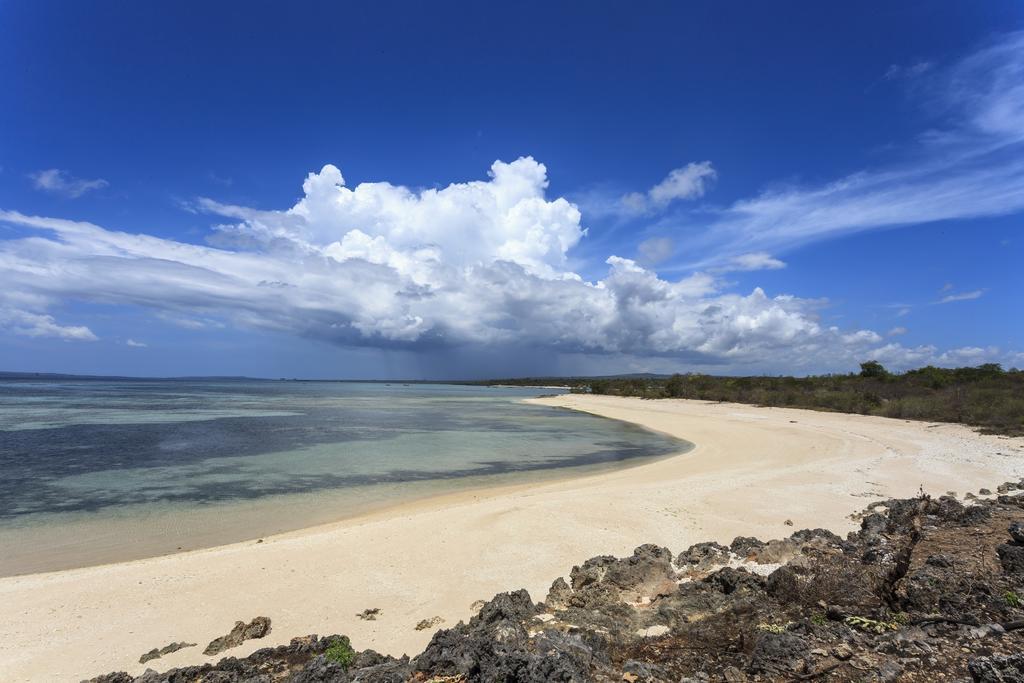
[98, 470]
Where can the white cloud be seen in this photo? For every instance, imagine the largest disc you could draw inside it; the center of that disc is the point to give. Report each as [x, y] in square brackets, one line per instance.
[971, 166]
[756, 260]
[688, 182]
[895, 71]
[655, 250]
[28, 324]
[897, 331]
[60, 182]
[136, 344]
[483, 263]
[964, 296]
[487, 262]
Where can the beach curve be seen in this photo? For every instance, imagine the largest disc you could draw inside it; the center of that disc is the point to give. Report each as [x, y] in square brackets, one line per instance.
[751, 469]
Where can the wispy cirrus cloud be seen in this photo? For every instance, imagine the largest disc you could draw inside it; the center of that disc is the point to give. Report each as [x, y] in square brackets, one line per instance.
[963, 296]
[971, 166]
[56, 181]
[898, 71]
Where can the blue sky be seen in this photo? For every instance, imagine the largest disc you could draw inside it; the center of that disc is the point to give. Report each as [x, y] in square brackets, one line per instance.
[539, 189]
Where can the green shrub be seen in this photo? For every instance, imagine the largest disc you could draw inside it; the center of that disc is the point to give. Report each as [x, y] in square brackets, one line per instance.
[341, 652]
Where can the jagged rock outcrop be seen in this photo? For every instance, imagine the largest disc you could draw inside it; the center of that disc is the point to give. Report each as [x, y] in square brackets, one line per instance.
[925, 589]
[257, 628]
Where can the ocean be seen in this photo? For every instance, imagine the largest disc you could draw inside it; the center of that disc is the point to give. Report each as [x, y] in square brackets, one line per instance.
[98, 471]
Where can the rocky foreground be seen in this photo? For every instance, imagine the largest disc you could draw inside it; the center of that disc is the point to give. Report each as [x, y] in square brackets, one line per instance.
[926, 590]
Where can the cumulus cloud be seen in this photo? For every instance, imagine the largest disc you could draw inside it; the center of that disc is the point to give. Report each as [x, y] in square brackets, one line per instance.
[688, 182]
[487, 262]
[28, 324]
[136, 344]
[481, 263]
[897, 331]
[56, 181]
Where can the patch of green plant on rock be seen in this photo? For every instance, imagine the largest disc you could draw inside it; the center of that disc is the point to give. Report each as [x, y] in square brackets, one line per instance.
[1012, 599]
[818, 619]
[871, 625]
[773, 628]
[341, 652]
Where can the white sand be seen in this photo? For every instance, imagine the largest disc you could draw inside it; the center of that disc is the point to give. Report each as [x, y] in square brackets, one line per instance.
[752, 469]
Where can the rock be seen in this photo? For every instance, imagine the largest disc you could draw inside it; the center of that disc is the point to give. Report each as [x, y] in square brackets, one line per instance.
[643, 671]
[1006, 487]
[817, 540]
[733, 675]
[558, 595]
[653, 631]
[777, 654]
[939, 561]
[1008, 669]
[637, 619]
[728, 580]
[745, 546]
[369, 614]
[987, 631]
[477, 604]
[429, 623]
[257, 628]
[703, 555]
[890, 671]
[842, 652]
[984, 492]
[1017, 532]
[1011, 557]
[157, 653]
[788, 522]
[605, 580]
[783, 584]
[776, 552]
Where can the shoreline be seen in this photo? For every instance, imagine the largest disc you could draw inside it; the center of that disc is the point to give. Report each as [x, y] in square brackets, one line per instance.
[750, 469]
[417, 496]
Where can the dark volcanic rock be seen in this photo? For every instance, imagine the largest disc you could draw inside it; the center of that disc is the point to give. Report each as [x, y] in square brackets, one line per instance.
[777, 654]
[1017, 532]
[745, 546]
[997, 669]
[703, 555]
[1011, 557]
[926, 590]
[257, 628]
[157, 653]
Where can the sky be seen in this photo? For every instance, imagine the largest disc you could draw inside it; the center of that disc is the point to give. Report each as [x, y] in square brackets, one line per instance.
[463, 190]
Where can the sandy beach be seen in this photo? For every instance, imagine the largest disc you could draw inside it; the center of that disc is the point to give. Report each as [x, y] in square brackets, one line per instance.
[751, 470]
